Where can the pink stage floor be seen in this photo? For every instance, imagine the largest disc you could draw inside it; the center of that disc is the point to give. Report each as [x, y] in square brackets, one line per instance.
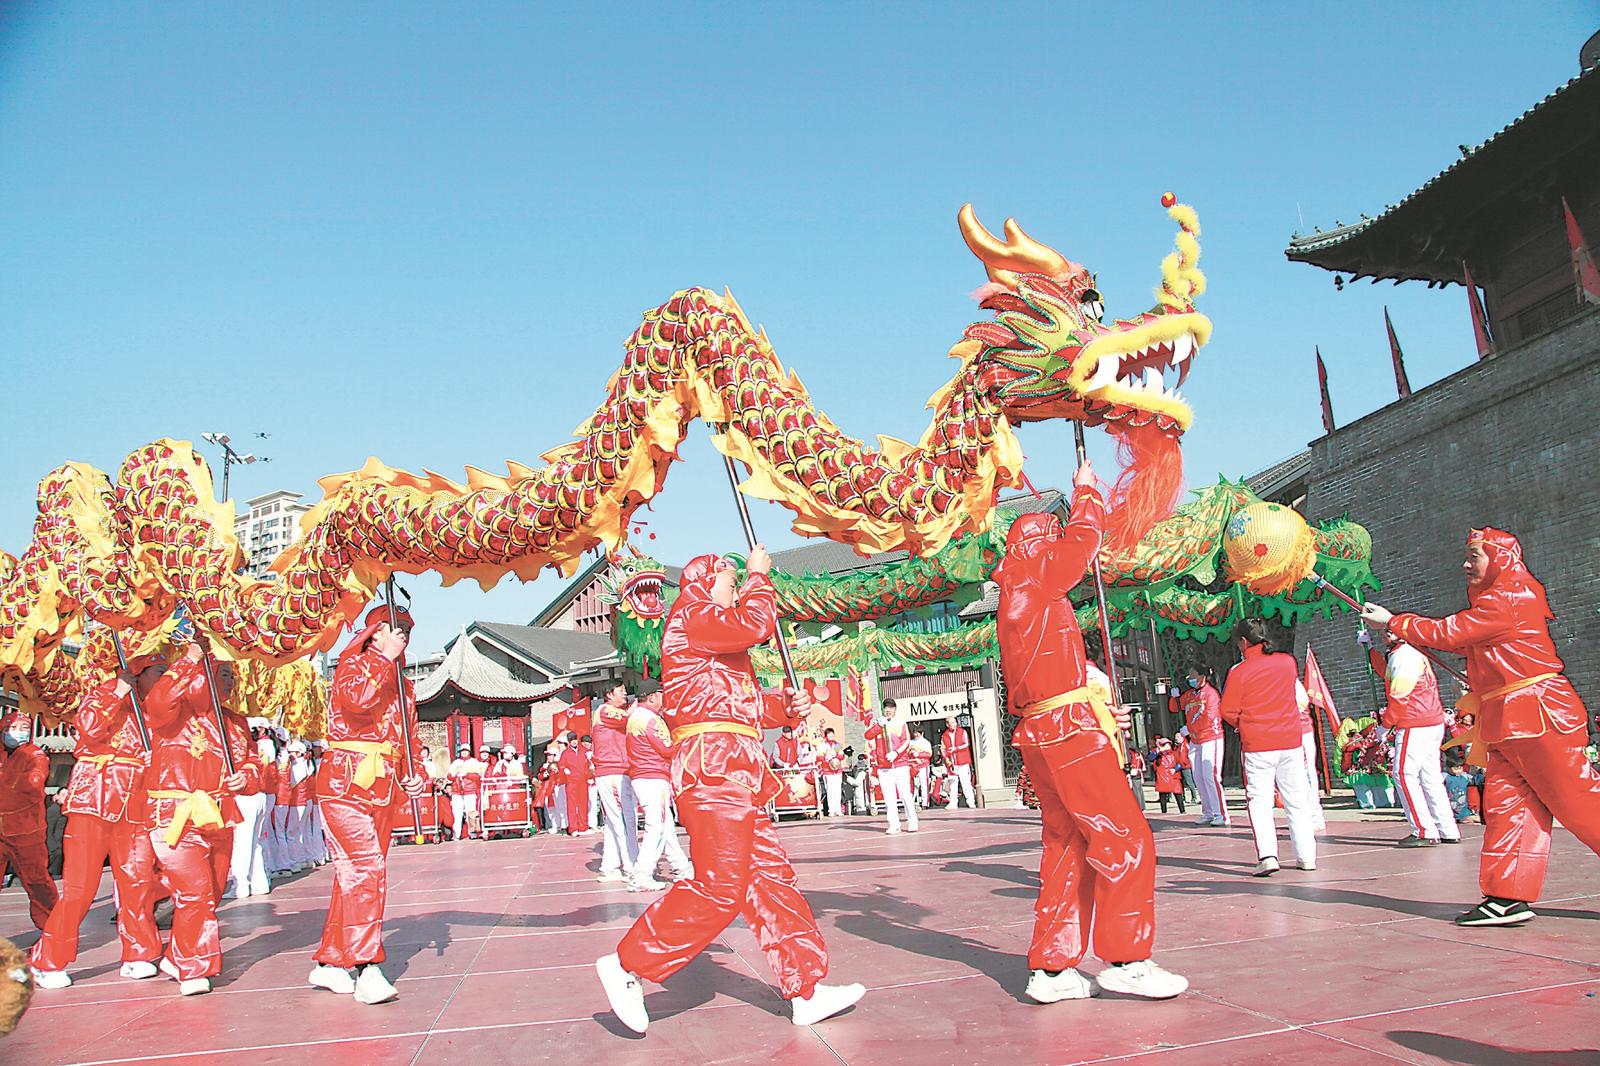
[491, 946]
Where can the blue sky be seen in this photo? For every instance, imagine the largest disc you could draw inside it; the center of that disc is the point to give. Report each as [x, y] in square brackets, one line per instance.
[423, 231]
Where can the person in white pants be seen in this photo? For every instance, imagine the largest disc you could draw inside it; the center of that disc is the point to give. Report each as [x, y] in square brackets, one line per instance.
[1200, 704]
[1415, 714]
[619, 808]
[246, 868]
[1260, 700]
[649, 767]
[892, 745]
[1308, 758]
[956, 748]
[830, 764]
[466, 779]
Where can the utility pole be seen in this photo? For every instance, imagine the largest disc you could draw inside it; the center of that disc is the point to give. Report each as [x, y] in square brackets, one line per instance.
[230, 457]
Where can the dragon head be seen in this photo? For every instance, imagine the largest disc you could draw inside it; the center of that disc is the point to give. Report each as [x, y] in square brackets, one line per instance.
[638, 589]
[1050, 352]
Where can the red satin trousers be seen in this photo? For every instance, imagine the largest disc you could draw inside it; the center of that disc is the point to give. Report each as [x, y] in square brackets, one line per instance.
[89, 841]
[195, 871]
[358, 833]
[29, 857]
[739, 868]
[1527, 783]
[1098, 870]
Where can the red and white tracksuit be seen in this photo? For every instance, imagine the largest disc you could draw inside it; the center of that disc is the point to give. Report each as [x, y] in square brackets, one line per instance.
[891, 757]
[830, 767]
[723, 783]
[1098, 868]
[619, 807]
[1203, 716]
[650, 772]
[1415, 715]
[1529, 716]
[1264, 701]
[466, 799]
[105, 810]
[23, 773]
[359, 791]
[956, 749]
[191, 815]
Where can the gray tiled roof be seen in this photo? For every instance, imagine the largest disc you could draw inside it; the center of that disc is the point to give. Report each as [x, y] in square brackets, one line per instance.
[467, 669]
[554, 650]
[831, 557]
[1269, 482]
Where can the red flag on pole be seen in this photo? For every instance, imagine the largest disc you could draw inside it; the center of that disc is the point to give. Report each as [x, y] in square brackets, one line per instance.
[1583, 267]
[1399, 358]
[1327, 402]
[1480, 321]
[1317, 689]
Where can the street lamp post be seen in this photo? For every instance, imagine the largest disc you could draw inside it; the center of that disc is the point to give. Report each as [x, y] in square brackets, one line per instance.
[229, 457]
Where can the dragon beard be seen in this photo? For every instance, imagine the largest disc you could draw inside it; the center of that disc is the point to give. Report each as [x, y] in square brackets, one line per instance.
[1148, 488]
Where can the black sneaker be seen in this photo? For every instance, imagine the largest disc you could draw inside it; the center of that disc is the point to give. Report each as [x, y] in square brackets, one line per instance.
[1418, 842]
[1451, 840]
[1497, 912]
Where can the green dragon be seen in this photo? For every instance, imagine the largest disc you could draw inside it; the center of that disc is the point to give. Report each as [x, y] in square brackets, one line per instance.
[1176, 578]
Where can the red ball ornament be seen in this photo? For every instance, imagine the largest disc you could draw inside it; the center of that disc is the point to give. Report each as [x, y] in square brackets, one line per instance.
[1168, 199]
[1261, 550]
[652, 536]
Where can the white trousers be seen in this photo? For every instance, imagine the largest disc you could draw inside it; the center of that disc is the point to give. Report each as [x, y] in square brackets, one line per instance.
[460, 807]
[1308, 752]
[833, 787]
[660, 830]
[597, 816]
[269, 833]
[294, 834]
[619, 811]
[1207, 761]
[558, 808]
[959, 782]
[247, 868]
[1284, 771]
[1422, 792]
[896, 783]
[922, 776]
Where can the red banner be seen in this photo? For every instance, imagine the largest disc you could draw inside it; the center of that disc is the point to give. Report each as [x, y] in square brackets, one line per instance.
[1317, 689]
[1587, 276]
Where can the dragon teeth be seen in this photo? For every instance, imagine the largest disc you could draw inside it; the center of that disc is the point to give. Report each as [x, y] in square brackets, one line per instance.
[1183, 347]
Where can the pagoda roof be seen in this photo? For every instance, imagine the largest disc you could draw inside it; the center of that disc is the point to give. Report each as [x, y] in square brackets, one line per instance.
[1427, 234]
[469, 671]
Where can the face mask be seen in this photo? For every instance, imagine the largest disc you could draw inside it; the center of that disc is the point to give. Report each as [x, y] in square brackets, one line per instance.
[1194, 682]
[15, 739]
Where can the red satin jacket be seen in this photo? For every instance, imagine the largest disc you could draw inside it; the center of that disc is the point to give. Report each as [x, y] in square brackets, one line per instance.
[955, 746]
[23, 773]
[187, 747]
[1202, 712]
[1505, 635]
[108, 776]
[364, 707]
[706, 677]
[788, 751]
[1041, 649]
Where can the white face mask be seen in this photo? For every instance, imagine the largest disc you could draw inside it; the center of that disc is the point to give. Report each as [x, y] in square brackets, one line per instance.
[15, 738]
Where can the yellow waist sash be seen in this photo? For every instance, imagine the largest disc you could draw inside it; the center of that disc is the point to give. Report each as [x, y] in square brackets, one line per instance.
[1471, 702]
[372, 765]
[682, 733]
[117, 760]
[1102, 713]
[197, 808]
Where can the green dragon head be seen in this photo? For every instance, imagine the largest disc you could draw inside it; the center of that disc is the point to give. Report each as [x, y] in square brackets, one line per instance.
[1050, 353]
[638, 588]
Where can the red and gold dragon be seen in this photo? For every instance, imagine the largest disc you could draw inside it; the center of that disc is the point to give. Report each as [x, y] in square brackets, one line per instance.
[126, 553]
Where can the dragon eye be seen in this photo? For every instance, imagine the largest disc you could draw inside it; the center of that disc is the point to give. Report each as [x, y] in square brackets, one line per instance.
[1092, 303]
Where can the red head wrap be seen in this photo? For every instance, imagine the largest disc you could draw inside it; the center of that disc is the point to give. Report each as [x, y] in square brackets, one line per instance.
[1507, 572]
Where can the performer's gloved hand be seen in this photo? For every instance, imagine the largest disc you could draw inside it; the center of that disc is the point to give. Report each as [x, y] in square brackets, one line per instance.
[235, 782]
[1364, 638]
[1375, 615]
[416, 786]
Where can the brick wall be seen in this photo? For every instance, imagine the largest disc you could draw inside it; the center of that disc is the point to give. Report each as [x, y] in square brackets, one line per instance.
[1513, 442]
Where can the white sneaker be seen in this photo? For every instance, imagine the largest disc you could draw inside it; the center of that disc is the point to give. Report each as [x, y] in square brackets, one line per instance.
[372, 987]
[1265, 868]
[825, 1001]
[1204, 819]
[1219, 822]
[169, 968]
[611, 875]
[624, 992]
[51, 979]
[912, 827]
[138, 971]
[1144, 979]
[197, 986]
[1306, 864]
[647, 885]
[686, 875]
[333, 978]
[1068, 984]
[893, 829]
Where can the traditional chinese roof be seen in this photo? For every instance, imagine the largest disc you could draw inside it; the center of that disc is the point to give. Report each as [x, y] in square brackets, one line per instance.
[1428, 233]
[467, 670]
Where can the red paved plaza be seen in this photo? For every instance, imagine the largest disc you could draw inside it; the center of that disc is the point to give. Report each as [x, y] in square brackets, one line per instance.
[491, 945]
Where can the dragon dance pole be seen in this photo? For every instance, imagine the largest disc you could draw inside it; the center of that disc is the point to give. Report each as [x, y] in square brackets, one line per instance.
[133, 693]
[1322, 583]
[405, 719]
[750, 540]
[1105, 631]
[216, 703]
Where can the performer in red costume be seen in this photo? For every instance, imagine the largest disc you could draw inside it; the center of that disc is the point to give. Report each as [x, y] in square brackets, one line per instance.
[1098, 868]
[360, 791]
[105, 809]
[956, 750]
[1201, 703]
[723, 783]
[192, 809]
[577, 773]
[24, 768]
[1528, 715]
[1415, 715]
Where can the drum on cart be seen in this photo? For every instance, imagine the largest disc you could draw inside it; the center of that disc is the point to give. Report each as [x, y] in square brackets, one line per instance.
[507, 807]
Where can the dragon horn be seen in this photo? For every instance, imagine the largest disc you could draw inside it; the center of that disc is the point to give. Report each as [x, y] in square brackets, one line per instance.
[1018, 253]
[1181, 279]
